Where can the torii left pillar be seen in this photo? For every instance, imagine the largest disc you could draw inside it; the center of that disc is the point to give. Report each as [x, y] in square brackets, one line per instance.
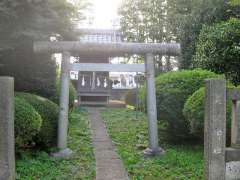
[64, 107]
[153, 148]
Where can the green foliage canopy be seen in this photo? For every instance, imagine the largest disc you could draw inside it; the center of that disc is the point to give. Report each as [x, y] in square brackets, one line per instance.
[172, 20]
[34, 73]
[188, 17]
[146, 21]
[36, 19]
[218, 49]
[25, 21]
[143, 21]
[235, 2]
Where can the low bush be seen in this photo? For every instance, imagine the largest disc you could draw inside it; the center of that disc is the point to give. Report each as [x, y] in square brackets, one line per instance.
[27, 123]
[172, 90]
[194, 113]
[48, 110]
[72, 94]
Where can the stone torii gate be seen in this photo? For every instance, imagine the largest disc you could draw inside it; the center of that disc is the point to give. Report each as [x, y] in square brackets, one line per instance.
[113, 50]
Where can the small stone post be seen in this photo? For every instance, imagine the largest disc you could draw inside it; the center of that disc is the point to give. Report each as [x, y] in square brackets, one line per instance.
[233, 152]
[64, 102]
[215, 129]
[235, 127]
[7, 145]
[152, 108]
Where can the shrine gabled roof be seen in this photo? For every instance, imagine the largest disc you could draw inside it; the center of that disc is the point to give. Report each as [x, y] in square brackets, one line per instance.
[97, 31]
[99, 35]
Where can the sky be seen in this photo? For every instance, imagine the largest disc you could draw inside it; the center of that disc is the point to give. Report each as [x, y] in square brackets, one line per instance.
[105, 13]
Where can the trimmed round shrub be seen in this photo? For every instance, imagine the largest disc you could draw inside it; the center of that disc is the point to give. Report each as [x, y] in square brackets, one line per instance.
[72, 94]
[27, 123]
[48, 110]
[194, 113]
[172, 90]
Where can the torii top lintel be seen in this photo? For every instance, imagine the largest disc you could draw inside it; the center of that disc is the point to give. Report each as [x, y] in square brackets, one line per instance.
[111, 49]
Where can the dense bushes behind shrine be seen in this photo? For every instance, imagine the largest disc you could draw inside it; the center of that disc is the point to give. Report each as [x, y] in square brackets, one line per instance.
[172, 90]
[72, 94]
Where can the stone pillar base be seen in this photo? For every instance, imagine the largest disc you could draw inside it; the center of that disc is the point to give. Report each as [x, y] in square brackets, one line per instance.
[153, 152]
[65, 153]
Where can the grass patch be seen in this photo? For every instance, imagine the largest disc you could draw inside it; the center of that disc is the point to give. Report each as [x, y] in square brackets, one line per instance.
[81, 166]
[181, 162]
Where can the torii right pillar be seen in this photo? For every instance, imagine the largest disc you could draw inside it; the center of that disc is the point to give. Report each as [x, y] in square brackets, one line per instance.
[153, 148]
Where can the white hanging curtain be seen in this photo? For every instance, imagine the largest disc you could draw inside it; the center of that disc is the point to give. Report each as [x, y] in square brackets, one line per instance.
[83, 81]
[98, 82]
[93, 80]
[105, 82]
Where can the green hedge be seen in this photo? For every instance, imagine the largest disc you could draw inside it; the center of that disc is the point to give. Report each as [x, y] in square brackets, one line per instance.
[194, 113]
[48, 110]
[27, 123]
[172, 90]
[72, 94]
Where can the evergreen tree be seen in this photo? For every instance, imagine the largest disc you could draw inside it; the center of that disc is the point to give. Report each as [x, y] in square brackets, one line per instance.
[25, 21]
[171, 20]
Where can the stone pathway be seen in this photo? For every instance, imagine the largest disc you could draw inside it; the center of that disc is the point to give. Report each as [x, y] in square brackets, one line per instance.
[108, 164]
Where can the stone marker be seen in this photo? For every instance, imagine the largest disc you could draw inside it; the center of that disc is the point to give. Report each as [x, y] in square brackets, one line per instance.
[215, 129]
[235, 127]
[233, 153]
[7, 153]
